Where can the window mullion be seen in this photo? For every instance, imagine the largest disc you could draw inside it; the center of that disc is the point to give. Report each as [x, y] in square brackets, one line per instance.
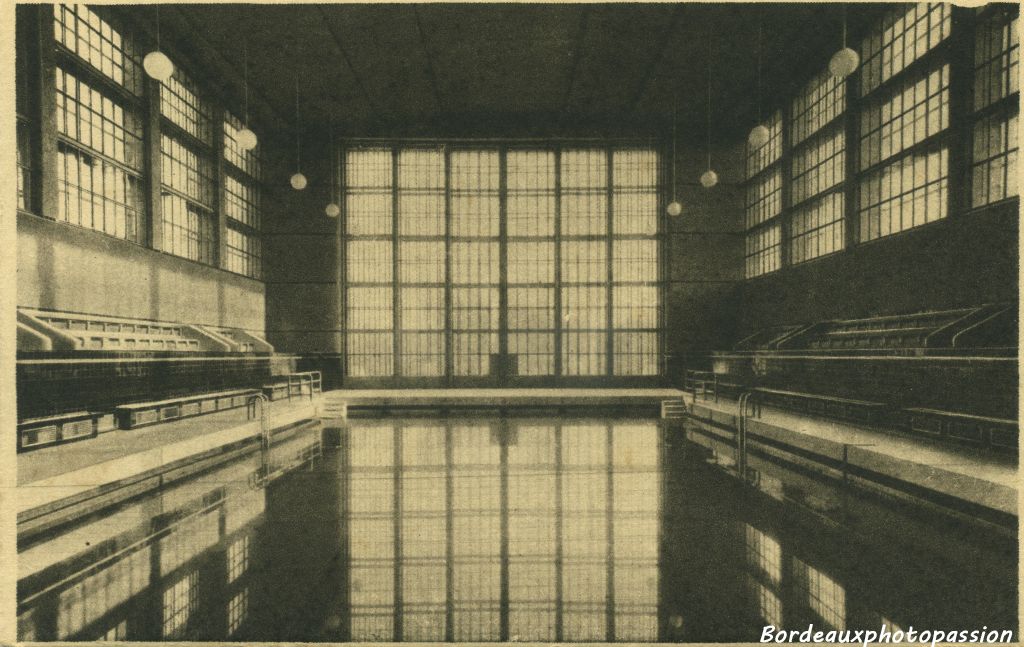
[153, 160]
[219, 212]
[961, 83]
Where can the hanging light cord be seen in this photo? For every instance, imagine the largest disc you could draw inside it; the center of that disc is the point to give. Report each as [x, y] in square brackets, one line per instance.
[158, 28]
[708, 133]
[245, 78]
[298, 130]
[760, 28]
[844, 25]
[675, 108]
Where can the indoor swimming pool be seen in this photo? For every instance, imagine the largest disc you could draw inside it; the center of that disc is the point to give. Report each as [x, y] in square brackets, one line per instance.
[512, 528]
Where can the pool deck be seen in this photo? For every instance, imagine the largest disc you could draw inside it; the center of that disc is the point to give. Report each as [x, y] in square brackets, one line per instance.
[503, 397]
[975, 476]
[53, 474]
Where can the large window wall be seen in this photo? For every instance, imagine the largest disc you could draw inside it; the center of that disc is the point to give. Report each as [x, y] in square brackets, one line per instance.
[108, 119]
[501, 262]
[878, 154]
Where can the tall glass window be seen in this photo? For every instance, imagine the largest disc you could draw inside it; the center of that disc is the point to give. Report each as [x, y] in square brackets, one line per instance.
[566, 239]
[903, 158]
[99, 127]
[764, 203]
[994, 140]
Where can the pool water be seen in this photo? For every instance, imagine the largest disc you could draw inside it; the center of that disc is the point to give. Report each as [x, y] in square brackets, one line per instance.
[524, 529]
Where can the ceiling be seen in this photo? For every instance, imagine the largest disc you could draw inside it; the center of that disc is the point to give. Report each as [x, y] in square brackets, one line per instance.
[509, 69]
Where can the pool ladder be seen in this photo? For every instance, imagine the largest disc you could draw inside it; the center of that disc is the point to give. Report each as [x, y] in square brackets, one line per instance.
[265, 439]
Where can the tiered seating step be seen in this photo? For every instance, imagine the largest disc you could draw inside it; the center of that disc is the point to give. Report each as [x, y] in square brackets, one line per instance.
[51, 430]
[140, 414]
[995, 433]
[829, 406]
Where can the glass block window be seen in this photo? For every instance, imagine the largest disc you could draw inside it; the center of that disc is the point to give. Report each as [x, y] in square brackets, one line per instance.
[817, 228]
[181, 104]
[994, 137]
[99, 165]
[764, 250]
[96, 41]
[572, 245]
[910, 192]
[905, 34]
[818, 105]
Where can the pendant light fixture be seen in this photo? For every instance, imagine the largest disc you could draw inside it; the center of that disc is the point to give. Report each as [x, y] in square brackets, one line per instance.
[845, 61]
[298, 180]
[246, 138]
[674, 208]
[333, 210]
[156, 63]
[709, 177]
[759, 136]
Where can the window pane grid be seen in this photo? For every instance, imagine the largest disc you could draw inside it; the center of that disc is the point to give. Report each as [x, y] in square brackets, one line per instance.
[758, 159]
[242, 201]
[95, 41]
[915, 111]
[994, 174]
[246, 161]
[25, 164]
[817, 228]
[904, 35]
[818, 165]
[996, 57]
[764, 250]
[98, 122]
[187, 229]
[910, 192]
[97, 194]
[465, 185]
[764, 198]
[243, 252]
[186, 171]
[181, 105]
[818, 105]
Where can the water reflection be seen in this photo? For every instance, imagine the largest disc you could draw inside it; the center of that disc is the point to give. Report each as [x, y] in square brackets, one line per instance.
[560, 520]
[528, 529]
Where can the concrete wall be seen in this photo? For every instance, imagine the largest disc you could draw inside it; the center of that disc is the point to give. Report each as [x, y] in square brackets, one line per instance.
[964, 260]
[300, 250]
[63, 267]
[704, 255]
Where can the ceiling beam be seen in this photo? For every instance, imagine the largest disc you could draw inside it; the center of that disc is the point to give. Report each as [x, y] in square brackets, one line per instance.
[375, 112]
[431, 74]
[652, 65]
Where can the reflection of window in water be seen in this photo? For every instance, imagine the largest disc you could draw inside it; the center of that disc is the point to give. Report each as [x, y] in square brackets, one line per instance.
[117, 632]
[238, 610]
[470, 459]
[189, 538]
[238, 558]
[92, 597]
[764, 554]
[180, 602]
[825, 596]
[767, 603]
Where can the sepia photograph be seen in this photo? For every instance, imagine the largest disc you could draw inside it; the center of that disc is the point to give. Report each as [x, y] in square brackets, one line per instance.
[644, 322]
